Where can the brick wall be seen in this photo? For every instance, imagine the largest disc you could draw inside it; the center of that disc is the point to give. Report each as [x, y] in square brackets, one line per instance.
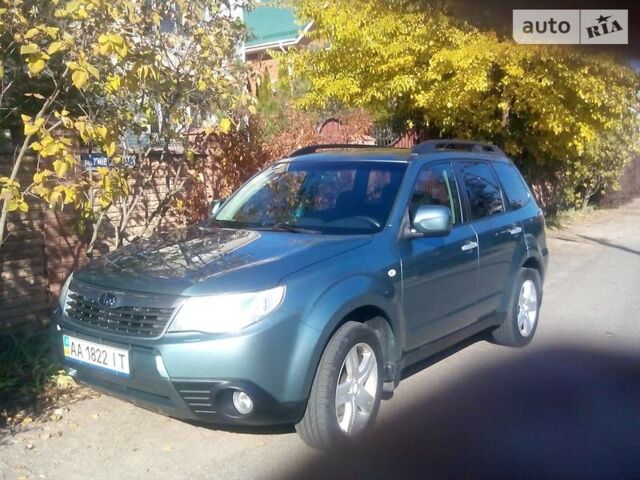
[43, 246]
[23, 280]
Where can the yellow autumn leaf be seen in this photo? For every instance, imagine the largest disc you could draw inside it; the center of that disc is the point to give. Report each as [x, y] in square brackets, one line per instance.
[51, 149]
[32, 32]
[110, 149]
[93, 71]
[60, 168]
[113, 83]
[122, 50]
[104, 48]
[112, 42]
[55, 198]
[29, 48]
[32, 127]
[35, 65]
[52, 31]
[69, 195]
[55, 47]
[202, 85]
[101, 130]
[79, 78]
[14, 204]
[225, 125]
[39, 177]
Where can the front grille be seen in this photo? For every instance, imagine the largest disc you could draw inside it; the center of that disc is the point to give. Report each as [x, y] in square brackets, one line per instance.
[135, 321]
[198, 396]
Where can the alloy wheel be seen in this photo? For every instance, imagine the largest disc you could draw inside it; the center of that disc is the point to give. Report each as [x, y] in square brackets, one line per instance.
[527, 308]
[356, 389]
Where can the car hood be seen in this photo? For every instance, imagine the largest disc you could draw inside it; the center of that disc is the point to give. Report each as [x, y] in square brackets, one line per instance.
[204, 260]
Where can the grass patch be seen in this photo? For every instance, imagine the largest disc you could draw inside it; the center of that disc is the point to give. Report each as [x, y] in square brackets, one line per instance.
[564, 218]
[31, 381]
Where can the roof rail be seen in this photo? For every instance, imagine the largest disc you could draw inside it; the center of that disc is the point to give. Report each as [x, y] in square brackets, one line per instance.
[324, 146]
[445, 144]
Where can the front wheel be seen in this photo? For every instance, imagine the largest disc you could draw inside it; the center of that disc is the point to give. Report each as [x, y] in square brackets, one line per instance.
[346, 392]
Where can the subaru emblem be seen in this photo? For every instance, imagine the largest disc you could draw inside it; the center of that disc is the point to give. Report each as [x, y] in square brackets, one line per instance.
[108, 300]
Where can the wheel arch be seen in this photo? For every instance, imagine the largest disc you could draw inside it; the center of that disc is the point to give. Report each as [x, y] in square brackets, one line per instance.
[535, 264]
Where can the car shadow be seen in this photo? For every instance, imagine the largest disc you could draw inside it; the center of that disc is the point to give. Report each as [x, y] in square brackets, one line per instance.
[557, 412]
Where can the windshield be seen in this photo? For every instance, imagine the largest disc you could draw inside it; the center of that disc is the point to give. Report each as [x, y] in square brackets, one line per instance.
[338, 197]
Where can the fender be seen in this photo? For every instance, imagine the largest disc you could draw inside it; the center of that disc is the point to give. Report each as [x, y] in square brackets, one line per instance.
[331, 308]
[535, 252]
[521, 257]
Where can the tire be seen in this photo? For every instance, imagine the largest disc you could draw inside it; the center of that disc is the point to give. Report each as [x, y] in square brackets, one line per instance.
[518, 331]
[321, 425]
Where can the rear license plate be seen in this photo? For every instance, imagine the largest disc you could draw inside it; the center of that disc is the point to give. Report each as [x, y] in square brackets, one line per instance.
[113, 359]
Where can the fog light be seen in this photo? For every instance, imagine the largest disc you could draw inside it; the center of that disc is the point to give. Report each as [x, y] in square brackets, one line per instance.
[162, 370]
[242, 402]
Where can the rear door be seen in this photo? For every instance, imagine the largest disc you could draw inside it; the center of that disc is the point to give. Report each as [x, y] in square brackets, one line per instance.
[497, 229]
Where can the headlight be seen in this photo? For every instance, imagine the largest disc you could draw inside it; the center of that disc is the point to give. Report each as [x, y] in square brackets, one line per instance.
[62, 298]
[226, 313]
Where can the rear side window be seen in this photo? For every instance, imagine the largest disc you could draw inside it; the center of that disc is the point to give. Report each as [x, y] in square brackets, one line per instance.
[483, 191]
[514, 186]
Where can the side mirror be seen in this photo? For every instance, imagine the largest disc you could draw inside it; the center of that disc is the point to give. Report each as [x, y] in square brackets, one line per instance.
[432, 220]
[214, 206]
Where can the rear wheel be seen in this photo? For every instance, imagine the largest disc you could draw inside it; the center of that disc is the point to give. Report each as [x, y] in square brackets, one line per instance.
[521, 320]
[345, 396]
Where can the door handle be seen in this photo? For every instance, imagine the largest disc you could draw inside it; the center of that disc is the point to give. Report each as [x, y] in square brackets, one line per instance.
[515, 230]
[469, 246]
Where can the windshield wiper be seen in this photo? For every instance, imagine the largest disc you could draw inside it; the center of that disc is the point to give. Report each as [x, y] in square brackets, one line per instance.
[287, 227]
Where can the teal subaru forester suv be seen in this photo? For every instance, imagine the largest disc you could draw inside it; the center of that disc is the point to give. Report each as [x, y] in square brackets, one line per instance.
[312, 287]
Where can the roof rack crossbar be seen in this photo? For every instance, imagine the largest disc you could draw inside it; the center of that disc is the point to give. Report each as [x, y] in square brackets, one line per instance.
[324, 146]
[445, 144]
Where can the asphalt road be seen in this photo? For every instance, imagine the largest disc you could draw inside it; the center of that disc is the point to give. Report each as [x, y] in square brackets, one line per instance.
[565, 406]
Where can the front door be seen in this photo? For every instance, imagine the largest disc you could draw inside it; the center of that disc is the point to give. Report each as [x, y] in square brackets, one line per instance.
[439, 273]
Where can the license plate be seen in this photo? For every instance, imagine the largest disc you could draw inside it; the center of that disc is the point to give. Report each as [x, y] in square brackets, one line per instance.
[113, 359]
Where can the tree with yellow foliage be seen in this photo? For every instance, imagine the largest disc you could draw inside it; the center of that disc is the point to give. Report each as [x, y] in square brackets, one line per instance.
[111, 71]
[569, 118]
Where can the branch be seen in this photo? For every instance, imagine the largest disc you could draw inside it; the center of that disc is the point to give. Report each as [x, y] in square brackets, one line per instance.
[18, 161]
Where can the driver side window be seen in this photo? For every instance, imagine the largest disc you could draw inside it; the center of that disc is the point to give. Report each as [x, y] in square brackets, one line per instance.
[436, 185]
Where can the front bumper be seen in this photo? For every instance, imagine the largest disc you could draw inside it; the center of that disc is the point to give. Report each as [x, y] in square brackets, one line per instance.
[193, 378]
